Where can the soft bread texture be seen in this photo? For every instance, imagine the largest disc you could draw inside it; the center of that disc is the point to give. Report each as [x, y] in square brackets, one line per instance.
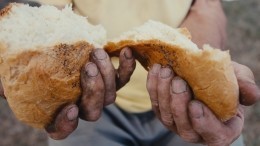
[208, 71]
[42, 51]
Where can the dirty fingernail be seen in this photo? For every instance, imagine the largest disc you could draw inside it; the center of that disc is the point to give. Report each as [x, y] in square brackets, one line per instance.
[91, 70]
[178, 85]
[100, 54]
[72, 113]
[165, 73]
[128, 54]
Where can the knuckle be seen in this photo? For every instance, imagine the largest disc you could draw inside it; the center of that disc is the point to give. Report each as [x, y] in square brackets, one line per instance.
[176, 112]
[230, 136]
[161, 88]
[189, 136]
[167, 120]
[220, 139]
[155, 103]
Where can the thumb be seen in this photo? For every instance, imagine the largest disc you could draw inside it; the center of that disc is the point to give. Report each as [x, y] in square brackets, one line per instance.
[213, 131]
[65, 123]
[248, 90]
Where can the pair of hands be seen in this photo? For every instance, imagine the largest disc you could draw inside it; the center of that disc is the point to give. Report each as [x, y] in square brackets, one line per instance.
[171, 99]
[170, 95]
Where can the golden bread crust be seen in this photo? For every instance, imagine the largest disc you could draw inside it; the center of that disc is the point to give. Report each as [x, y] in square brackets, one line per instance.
[38, 82]
[213, 82]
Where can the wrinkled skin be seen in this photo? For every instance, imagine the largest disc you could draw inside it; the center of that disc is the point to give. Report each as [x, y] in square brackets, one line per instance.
[99, 82]
[174, 105]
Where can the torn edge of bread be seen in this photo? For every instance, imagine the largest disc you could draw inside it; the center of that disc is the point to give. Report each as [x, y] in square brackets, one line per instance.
[24, 27]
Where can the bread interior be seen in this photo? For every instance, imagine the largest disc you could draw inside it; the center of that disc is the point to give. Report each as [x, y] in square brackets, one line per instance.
[154, 30]
[26, 27]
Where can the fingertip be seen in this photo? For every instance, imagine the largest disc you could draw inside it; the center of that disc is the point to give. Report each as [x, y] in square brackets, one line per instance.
[179, 85]
[127, 53]
[99, 54]
[165, 73]
[127, 65]
[91, 69]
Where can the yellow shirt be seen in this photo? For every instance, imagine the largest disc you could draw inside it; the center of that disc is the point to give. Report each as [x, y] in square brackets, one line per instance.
[118, 16]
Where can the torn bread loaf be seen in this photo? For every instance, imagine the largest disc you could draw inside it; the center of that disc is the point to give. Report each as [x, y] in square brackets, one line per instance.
[43, 49]
[41, 53]
[208, 71]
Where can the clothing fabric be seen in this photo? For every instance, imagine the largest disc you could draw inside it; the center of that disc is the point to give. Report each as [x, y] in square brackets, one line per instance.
[119, 128]
[118, 16]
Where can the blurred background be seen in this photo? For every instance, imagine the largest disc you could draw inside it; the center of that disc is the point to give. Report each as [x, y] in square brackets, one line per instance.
[243, 43]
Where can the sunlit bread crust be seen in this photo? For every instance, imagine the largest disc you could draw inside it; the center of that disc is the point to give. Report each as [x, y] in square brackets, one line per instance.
[209, 71]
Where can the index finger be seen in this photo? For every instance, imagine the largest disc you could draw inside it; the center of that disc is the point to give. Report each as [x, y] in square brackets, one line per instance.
[92, 101]
[107, 70]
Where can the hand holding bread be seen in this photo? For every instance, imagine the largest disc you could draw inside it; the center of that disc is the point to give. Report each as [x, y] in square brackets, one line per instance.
[208, 71]
[99, 83]
[41, 72]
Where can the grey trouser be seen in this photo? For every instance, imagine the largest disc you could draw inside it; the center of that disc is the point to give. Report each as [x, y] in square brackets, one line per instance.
[118, 128]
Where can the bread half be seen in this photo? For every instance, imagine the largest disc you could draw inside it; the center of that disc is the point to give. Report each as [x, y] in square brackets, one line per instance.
[208, 71]
[42, 51]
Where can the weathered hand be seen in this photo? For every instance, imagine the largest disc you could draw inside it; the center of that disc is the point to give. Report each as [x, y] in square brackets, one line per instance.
[174, 105]
[99, 82]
